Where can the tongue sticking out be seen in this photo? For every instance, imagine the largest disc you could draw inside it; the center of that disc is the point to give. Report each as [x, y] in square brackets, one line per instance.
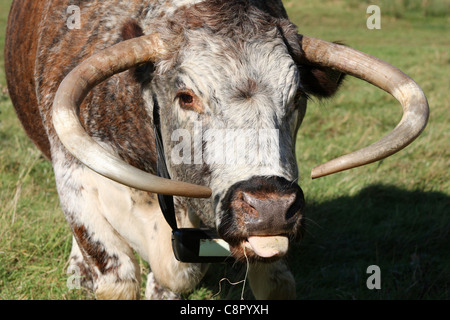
[268, 247]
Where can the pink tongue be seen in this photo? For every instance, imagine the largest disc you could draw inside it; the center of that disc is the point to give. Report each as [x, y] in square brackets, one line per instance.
[268, 247]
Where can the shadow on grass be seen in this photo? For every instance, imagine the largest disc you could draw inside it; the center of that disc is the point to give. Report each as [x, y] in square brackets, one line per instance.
[405, 233]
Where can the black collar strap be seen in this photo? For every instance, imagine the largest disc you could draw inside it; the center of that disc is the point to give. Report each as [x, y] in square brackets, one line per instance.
[165, 202]
[189, 245]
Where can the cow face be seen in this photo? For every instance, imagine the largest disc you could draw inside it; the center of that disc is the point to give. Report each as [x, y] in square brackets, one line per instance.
[230, 91]
[230, 109]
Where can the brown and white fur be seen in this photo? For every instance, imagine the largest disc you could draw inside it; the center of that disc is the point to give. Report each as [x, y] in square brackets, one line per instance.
[239, 58]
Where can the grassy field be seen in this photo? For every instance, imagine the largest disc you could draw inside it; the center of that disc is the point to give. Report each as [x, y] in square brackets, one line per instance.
[394, 213]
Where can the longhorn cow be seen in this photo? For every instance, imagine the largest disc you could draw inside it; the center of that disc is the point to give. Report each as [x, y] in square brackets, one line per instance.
[87, 97]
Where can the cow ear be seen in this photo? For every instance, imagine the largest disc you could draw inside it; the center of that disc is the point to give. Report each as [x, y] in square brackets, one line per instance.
[320, 82]
[130, 30]
[316, 80]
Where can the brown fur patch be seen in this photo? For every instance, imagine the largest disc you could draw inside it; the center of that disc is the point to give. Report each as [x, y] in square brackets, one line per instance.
[230, 18]
[131, 29]
[94, 252]
[20, 56]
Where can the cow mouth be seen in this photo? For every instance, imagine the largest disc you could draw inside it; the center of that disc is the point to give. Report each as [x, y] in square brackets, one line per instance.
[260, 248]
[258, 216]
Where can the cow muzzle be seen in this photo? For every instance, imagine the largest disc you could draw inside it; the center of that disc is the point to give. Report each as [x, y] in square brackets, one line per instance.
[260, 215]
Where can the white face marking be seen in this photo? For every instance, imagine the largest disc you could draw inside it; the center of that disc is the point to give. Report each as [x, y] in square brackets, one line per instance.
[246, 83]
[241, 87]
[220, 75]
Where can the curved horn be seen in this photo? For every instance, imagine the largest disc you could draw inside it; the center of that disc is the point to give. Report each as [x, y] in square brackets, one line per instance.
[71, 93]
[384, 76]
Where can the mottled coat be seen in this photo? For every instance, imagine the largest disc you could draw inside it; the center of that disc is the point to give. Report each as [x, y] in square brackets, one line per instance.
[242, 58]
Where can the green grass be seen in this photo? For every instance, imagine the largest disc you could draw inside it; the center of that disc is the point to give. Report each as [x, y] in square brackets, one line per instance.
[393, 213]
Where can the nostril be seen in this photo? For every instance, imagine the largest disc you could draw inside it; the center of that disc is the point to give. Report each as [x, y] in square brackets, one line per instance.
[263, 207]
[250, 206]
[270, 205]
[296, 206]
[250, 200]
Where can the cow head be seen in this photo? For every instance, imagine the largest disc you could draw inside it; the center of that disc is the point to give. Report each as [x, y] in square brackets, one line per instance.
[231, 85]
[231, 102]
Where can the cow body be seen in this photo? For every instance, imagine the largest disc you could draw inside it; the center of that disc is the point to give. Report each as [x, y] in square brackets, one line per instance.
[253, 83]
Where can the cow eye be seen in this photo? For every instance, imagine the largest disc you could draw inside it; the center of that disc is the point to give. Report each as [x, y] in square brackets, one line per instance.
[186, 98]
[189, 101]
